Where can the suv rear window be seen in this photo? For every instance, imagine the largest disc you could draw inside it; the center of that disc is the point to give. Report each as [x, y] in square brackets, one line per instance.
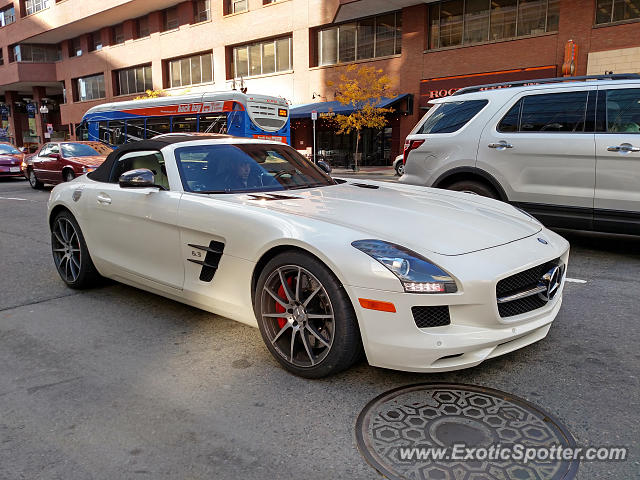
[450, 117]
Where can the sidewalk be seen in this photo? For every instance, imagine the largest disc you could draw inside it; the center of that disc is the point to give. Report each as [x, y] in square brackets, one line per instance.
[378, 170]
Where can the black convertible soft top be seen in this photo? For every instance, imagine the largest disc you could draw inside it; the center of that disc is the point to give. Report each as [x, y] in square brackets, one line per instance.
[103, 172]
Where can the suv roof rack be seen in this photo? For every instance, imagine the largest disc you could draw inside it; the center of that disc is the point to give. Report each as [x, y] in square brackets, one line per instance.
[541, 81]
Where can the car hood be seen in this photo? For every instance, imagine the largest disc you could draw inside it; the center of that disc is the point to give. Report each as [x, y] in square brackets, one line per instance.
[92, 161]
[10, 159]
[438, 221]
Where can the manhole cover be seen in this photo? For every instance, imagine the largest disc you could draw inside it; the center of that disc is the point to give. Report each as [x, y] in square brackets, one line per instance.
[400, 431]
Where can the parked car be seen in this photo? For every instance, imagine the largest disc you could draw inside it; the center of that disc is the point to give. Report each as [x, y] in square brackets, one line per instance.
[58, 162]
[568, 152]
[398, 165]
[10, 160]
[425, 280]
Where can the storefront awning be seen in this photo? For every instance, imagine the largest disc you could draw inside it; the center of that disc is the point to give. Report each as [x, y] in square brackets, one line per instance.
[326, 109]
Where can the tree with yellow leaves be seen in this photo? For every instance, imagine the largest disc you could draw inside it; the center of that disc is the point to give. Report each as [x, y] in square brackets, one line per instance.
[362, 88]
[152, 94]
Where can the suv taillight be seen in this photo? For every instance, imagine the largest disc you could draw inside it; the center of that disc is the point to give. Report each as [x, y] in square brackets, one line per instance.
[408, 146]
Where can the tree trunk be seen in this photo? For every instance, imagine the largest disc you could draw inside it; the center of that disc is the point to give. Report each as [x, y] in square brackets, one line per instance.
[355, 160]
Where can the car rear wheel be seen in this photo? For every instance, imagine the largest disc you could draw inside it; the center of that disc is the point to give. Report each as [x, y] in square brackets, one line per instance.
[68, 175]
[400, 168]
[70, 253]
[33, 180]
[474, 187]
[305, 317]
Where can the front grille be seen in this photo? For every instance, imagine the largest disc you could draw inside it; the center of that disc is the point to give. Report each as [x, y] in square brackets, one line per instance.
[519, 282]
[427, 317]
[270, 122]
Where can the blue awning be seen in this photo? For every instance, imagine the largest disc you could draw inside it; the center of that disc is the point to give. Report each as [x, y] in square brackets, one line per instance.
[336, 108]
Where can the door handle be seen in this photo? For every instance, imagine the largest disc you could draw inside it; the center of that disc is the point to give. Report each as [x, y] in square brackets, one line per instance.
[625, 147]
[500, 145]
[103, 199]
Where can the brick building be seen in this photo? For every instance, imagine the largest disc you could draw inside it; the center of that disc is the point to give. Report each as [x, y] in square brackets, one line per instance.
[70, 55]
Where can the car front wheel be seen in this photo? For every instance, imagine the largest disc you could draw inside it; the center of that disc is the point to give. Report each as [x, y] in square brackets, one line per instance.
[400, 168]
[474, 187]
[33, 180]
[305, 317]
[70, 253]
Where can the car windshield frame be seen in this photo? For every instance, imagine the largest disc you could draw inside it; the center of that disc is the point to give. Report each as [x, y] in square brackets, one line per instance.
[67, 154]
[221, 174]
[6, 149]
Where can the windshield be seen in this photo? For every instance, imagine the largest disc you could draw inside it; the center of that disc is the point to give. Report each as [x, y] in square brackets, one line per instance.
[248, 167]
[85, 150]
[9, 150]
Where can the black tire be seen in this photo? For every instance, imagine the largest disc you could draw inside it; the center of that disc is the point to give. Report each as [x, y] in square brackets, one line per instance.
[70, 253]
[333, 355]
[68, 175]
[474, 186]
[33, 180]
[400, 169]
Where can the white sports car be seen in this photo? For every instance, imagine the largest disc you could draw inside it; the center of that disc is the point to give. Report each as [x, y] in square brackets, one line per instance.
[421, 279]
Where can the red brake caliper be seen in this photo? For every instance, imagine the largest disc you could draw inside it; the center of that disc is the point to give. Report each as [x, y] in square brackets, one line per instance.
[279, 308]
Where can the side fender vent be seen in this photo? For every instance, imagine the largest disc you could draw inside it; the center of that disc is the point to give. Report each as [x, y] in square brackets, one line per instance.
[365, 185]
[211, 259]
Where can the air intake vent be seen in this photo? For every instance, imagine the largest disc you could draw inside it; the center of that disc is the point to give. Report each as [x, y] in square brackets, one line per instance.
[365, 185]
[427, 317]
[211, 259]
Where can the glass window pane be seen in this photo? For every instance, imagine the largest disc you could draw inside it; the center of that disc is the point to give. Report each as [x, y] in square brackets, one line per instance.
[347, 43]
[122, 82]
[175, 73]
[255, 60]
[185, 71]
[503, 19]
[451, 23]
[196, 72]
[366, 34]
[116, 129]
[553, 15]
[269, 57]
[555, 112]
[131, 77]
[214, 123]
[184, 124]
[157, 126]
[139, 79]
[623, 110]
[207, 68]
[510, 122]
[135, 130]
[385, 35]
[531, 17]
[328, 46]
[476, 21]
[626, 10]
[283, 54]
[452, 116]
[398, 33]
[148, 81]
[604, 9]
[241, 62]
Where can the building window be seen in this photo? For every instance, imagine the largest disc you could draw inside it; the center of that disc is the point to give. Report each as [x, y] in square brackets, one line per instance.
[117, 33]
[467, 22]
[201, 10]
[34, 6]
[367, 38]
[191, 70]
[134, 80]
[1, 56]
[7, 16]
[170, 17]
[236, 6]
[95, 41]
[142, 27]
[90, 88]
[75, 47]
[609, 11]
[262, 58]
[35, 53]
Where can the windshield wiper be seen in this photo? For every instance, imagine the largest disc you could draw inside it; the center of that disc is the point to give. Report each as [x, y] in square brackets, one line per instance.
[309, 185]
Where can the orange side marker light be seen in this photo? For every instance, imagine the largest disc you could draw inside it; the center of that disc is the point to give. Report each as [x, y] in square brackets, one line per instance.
[377, 305]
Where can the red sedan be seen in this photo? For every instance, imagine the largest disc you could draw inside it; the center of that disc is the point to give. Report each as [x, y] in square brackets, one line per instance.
[10, 160]
[58, 162]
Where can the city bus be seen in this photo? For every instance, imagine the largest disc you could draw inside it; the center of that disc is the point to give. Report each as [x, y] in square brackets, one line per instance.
[232, 113]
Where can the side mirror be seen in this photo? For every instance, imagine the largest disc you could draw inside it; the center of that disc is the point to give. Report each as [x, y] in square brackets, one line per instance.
[324, 166]
[140, 178]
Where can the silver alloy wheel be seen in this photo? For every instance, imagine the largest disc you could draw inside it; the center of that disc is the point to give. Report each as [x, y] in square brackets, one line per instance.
[66, 249]
[400, 169]
[298, 316]
[33, 181]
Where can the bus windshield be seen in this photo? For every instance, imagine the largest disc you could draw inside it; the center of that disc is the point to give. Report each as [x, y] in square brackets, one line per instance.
[246, 167]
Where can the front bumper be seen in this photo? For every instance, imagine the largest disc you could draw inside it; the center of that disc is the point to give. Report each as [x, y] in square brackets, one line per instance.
[477, 332]
[6, 171]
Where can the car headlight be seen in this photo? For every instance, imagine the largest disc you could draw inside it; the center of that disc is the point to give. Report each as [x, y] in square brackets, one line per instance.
[88, 169]
[416, 273]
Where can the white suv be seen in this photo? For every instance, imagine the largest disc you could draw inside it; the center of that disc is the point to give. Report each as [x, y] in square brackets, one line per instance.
[568, 152]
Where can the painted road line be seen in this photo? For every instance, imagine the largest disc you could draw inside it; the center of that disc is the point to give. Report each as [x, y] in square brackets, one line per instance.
[575, 280]
[14, 198]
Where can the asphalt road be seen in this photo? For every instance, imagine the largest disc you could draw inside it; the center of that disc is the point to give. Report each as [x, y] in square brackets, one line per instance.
[116, 383]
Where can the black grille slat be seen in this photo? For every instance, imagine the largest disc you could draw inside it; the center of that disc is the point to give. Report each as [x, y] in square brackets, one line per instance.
[211, 259]
[525, 280]
[428, 317]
